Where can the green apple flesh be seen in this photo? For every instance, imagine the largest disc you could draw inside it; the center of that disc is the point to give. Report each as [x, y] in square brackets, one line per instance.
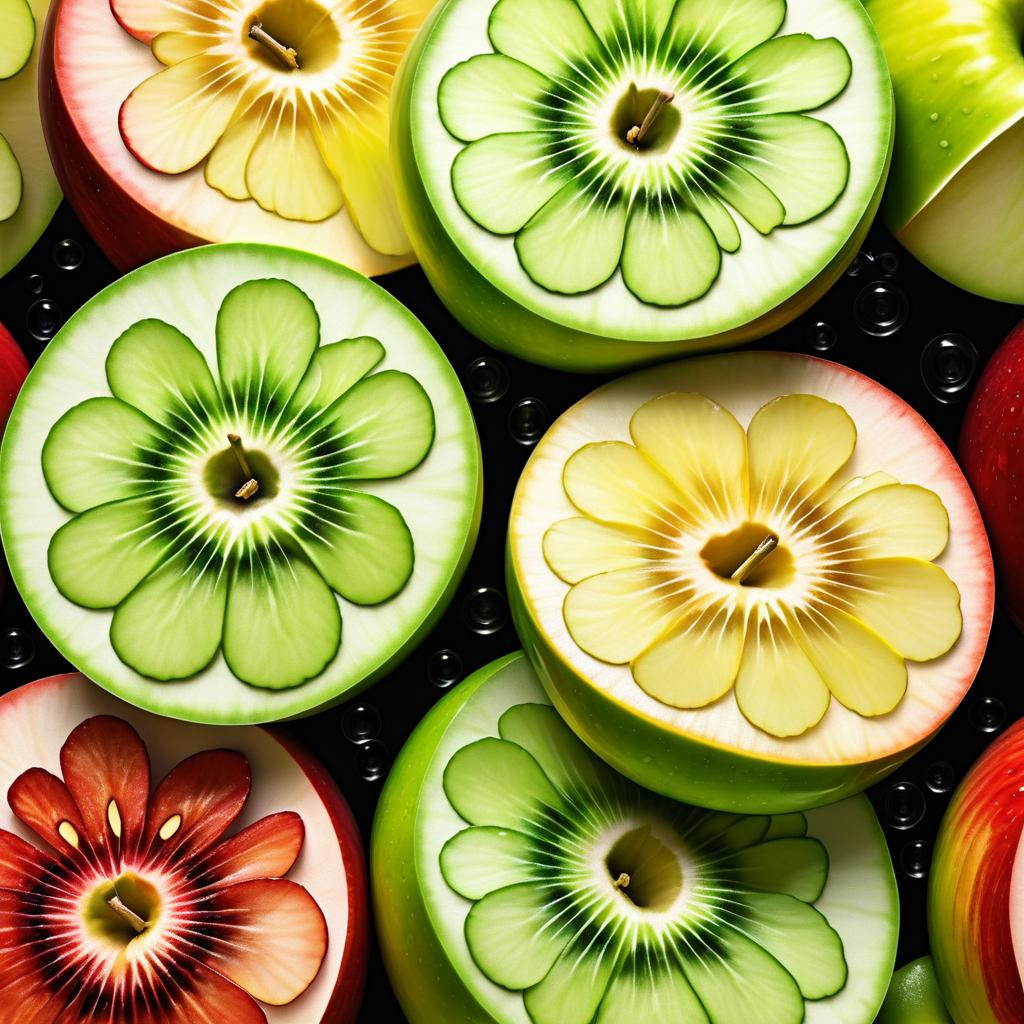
[536, 886]
[738, 590]
[28, 189]
[222, 460]
[914, 997]
[955, 197]
[627, 182]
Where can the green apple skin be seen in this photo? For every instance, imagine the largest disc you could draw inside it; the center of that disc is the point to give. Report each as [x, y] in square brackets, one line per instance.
[673, 764]
[914, 997]
[954, 193]
[496, 319]
[427, 986]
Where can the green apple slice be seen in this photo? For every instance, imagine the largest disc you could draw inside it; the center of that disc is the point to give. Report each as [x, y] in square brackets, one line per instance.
[629, 184]
[954, 197]
[539, 887]
[725, 567]
[245, 505]
[28, 189]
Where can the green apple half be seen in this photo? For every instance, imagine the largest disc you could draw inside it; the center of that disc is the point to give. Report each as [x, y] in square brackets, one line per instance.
[518, 880]
[28, 189]
[239, 484]
[955, 197]
[599, 185]
[755, 582]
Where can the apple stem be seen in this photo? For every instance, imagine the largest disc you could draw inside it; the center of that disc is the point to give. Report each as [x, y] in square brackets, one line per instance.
[636, 134]
[251, 486]
[757, 556]
[127, 913]
[285, 54]
[622, 882]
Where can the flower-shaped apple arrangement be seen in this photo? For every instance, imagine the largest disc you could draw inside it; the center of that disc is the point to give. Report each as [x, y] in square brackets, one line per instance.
[617, 174]
[232, 121]
[547, 888]
[217, 512]
[728, 566]
[28, 189]
[125, 902]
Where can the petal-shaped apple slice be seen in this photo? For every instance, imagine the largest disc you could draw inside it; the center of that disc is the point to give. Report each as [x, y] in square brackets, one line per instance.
[572, 990]
[196, 802]
[639, 19]
[226, 164]
[639, 991]
[17, 36]
[269, 937]
[184, 991]
[43, 803]
[894, 521]
[265, 849]
[10, 181]
[171, 121]
[106, 769]
[483, 859]
[795, 866]
[578, 548]
[145, 19]
[21, 863]
[729, 27]
[548, 35]
[490, 94]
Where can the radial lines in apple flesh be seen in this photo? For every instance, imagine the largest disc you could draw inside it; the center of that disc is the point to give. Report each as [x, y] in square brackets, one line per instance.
[285, 100]
[138, 909]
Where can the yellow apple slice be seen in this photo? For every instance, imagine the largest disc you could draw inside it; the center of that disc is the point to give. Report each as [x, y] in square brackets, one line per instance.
[17, 34]
[10, 181]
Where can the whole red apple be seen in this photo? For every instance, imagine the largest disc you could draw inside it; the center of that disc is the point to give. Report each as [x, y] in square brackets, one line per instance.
[992, 455]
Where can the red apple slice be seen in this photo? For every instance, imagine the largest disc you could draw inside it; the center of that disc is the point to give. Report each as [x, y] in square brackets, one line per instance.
[174, 125]
[233, 890]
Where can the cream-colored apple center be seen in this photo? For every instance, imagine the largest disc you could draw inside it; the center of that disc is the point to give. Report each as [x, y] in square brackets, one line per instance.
[647, 121]
[752, 555]
[300, 26]
[645, 871]
[121, 909]
[238, 478]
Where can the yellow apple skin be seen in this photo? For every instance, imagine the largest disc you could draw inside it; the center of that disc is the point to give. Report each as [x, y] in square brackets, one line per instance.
[914, 997]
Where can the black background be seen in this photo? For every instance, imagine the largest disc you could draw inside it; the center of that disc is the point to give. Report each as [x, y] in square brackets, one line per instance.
[357, 741]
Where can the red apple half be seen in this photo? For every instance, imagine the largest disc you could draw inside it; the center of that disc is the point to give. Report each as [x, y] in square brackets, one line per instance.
[976, 890]
[93, 59]
[120, 897]
[992, 455]
[13, 371]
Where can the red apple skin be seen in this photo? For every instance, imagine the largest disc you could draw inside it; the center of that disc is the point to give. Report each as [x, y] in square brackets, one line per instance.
[992, 455]
[128, 233]
[969, 889]
[13, 371]
[343, 1007]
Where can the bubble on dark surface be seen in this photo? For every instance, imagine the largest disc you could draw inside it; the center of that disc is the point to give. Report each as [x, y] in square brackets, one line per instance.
[527, 420]
[916, 858]
[43, 319]
[68, 254]
[486, 610]
[34, 284]
[857, 264]
[16, 648]
[881, 309]
[940, 777]
[887, 263]
[444, 668]
[822, 336]
[904, 805]
[988, 714]
[372, 760]
[487, 379]
[360, 722]
[948, 365]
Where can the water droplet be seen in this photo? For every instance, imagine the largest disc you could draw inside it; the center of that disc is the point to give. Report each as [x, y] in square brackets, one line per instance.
[857, 264]
[527, 420]
[988, 714]
[905, 805]
[822, 336]
[486, 610]
[444, 668]
[939, 777]
[372, 760]
[34, 284]
[487, 379]
[916, 858]
[888, 263]
[68, 254]
[948, 365]
[881, 309]
[16, 648]
[360, 722]
[944, 143]
[933, 117]
[43, 319]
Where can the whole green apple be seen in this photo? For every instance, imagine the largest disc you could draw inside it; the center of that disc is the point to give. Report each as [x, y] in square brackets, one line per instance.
[914, 997]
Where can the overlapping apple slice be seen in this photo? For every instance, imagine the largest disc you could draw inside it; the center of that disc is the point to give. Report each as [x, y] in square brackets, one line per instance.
[17, 34]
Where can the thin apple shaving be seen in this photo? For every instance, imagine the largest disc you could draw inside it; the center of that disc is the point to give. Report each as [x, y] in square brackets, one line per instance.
[287, 55]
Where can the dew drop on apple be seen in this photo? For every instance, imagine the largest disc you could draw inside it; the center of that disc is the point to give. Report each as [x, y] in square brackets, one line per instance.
[444, 668]
[487, 379]
[34, 284]
[948, 365]
[528, 420]
[360, 722]
[988, 714]
[904, 805]
[372, 760]
[881, 309]
[16, 648]
[822, 336]
[916, 858]
[43, 319]
[486, 610]
[68, 254]
[940, 777]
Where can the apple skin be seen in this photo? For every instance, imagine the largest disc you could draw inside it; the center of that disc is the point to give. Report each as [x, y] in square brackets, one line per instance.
[914, 997]
[969, 912]
[992, 456]
[13, 371]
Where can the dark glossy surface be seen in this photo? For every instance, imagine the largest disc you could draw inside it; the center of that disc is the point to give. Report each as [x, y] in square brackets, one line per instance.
[513, 403]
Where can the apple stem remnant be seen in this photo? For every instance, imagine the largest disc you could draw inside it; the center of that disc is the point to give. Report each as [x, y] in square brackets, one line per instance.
[636, 134]
[251, 486]
[127, 913]
[288, 56]
[622, 882]
[757, 556]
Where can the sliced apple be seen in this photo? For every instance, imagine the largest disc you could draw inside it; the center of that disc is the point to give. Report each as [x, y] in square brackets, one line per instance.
[233, 889]
[17, 34]
[265, 121]
[727, 570]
